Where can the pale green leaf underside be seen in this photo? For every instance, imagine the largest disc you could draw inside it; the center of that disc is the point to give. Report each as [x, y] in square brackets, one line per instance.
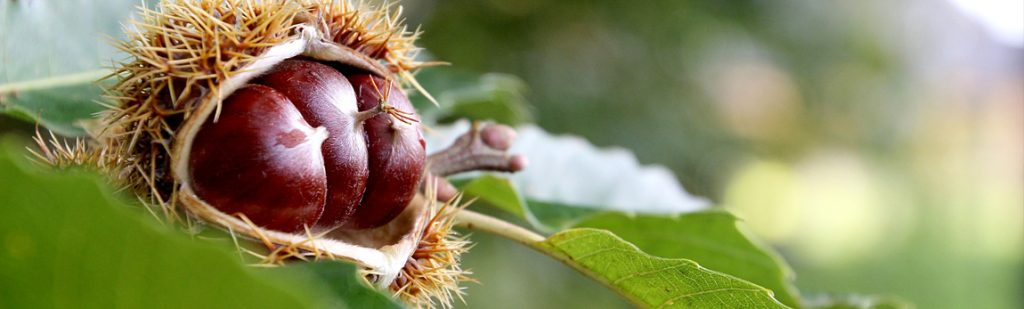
[41, 39]
[651, 281]
[52, 52]
[566, 169]
[63, 109]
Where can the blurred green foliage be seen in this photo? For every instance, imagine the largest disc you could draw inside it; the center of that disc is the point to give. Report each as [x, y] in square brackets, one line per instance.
[491, 97]
[615, 71]
[877, 144]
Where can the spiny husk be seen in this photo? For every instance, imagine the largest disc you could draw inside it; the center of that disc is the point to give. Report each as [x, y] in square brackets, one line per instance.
[187, 56]
[184, 50]
[432, 275]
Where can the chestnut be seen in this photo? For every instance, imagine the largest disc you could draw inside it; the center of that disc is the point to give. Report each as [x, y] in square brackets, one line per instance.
[397, 151]
[261, 159]
[264, 160]
[326, 98]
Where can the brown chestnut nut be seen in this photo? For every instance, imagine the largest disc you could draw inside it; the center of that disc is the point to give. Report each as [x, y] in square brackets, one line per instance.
[326, 98]
[261, 159]
[368, 168]
[397, 151]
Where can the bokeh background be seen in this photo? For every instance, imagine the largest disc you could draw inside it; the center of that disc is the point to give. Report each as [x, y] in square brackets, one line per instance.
[878, 145]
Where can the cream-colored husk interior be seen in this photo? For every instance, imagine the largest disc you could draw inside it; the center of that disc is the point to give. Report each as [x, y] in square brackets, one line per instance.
[382, 251]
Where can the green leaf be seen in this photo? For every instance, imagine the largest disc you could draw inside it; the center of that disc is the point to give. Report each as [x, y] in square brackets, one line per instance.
[502, 194]
[65, 242]
[52, 53]
[712, 238]
[342, 280]
[496, 191]
[650, 281]
[60, 109]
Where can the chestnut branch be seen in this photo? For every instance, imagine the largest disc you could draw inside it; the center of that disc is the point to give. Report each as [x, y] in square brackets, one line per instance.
[483, 148]
[480, 222]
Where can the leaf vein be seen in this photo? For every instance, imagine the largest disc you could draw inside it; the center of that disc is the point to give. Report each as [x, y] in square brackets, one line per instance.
[646, 273]
[671, 301]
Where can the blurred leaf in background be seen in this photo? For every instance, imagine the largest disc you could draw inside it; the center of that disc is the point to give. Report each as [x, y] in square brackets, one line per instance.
[52, 55]
[491, 97]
